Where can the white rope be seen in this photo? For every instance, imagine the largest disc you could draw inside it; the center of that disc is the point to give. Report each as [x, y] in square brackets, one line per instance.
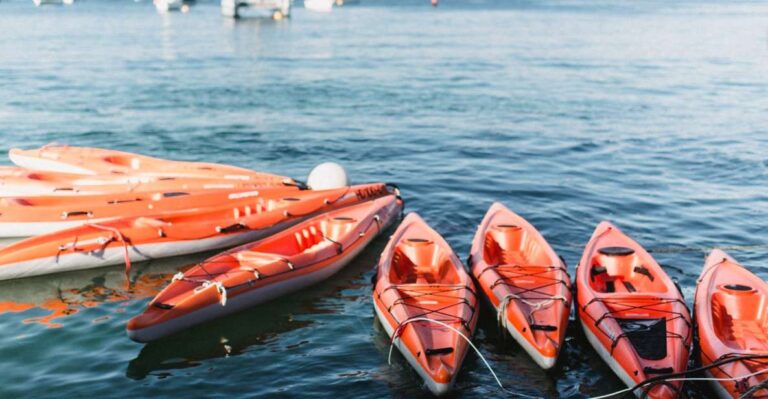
[536, 306]
[396, 335]
[686, 379]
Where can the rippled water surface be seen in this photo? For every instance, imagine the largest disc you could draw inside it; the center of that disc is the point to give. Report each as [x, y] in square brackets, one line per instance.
[650, 114]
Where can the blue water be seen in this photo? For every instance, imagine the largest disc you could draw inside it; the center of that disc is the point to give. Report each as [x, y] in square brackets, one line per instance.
[651, 114]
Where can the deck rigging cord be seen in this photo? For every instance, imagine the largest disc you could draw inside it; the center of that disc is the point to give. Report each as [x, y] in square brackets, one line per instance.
[396, 334]
[686, 249]
[507, 273]
[208, 278]
[681, 376]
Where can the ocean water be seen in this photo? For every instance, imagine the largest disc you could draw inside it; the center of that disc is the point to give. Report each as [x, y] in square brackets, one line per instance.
[651, 114]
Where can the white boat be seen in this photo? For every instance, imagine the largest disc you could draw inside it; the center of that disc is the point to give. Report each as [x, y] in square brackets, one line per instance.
[319, 5]
[39, 3]
[277, 9]
[165, 6]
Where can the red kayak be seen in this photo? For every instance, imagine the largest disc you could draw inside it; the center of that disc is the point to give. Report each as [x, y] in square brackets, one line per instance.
[524, 280]
[426, 301]
[632, 313]
[285, 262]
[731, 309]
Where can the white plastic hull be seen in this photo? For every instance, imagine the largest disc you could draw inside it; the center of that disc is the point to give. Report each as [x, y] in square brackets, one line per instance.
[115, 255]
[609, 360]
[319, 5]
[544, 362]
[29, 229]
[435, 387]
[246, 300]
[42, 163]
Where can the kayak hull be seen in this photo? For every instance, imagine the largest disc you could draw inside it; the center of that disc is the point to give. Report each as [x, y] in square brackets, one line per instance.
[426, 302]
[139, 253]
[731, 315]
[240, 302]
[632, 313]
[525, 282]
[437, 388]
[184, 303]
[172, 233]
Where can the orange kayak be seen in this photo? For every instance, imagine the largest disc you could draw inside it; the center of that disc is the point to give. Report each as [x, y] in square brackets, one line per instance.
[18, 182]
[631, 312]
[98, 161]
[731, 318]
[525, 281]
[126, 240]
[302, 255]
[426, 301]
[29, 216]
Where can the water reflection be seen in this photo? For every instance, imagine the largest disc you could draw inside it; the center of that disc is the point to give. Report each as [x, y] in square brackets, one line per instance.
[65, 294]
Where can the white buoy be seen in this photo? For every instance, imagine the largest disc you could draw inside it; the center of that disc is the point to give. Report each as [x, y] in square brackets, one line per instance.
[326, 176]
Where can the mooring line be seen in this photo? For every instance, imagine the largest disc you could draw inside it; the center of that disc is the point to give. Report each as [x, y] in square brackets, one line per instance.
[683, 249]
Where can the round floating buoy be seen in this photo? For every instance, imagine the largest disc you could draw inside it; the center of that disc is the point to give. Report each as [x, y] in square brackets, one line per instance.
[185, 8]
[277, 15]
[434, 3]
[339, 3]
[327, 176]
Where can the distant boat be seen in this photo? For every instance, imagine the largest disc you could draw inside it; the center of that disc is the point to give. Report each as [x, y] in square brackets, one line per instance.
[278, 9]
[164, 6]
[319, 5]
[39, 3]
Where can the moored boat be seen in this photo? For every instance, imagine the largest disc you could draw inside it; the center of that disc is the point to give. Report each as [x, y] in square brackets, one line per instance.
[731, 309]
[302, 255]
[19, 182]
[426, 302]
[524, 280]
[99, 161]
[632, 313]
[126, 240]
[28, 216]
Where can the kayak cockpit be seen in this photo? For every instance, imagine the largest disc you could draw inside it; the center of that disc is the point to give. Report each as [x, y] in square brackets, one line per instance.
[508, 244]
[622, 270]
[421, 261]
[740, 317]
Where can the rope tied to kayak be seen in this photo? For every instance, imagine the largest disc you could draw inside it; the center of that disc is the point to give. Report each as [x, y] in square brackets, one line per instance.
[414, 292]
[681, 376]
[534, 297]
[399, 330]
[658, 301]
[209, 278]
[535, 307]
[117, 235]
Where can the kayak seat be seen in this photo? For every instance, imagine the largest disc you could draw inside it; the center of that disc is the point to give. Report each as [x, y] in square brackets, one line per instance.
[507, 244]
[740, 319]
[624, 267]
[422, 262]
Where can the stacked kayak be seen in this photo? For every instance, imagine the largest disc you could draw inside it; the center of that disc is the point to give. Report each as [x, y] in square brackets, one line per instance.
[632, 313]
[22, 182]
[426, 302]
[130, 239]
[28, 216]
[287, 261]
[99, 161]
[524, 280]
[732, 322]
